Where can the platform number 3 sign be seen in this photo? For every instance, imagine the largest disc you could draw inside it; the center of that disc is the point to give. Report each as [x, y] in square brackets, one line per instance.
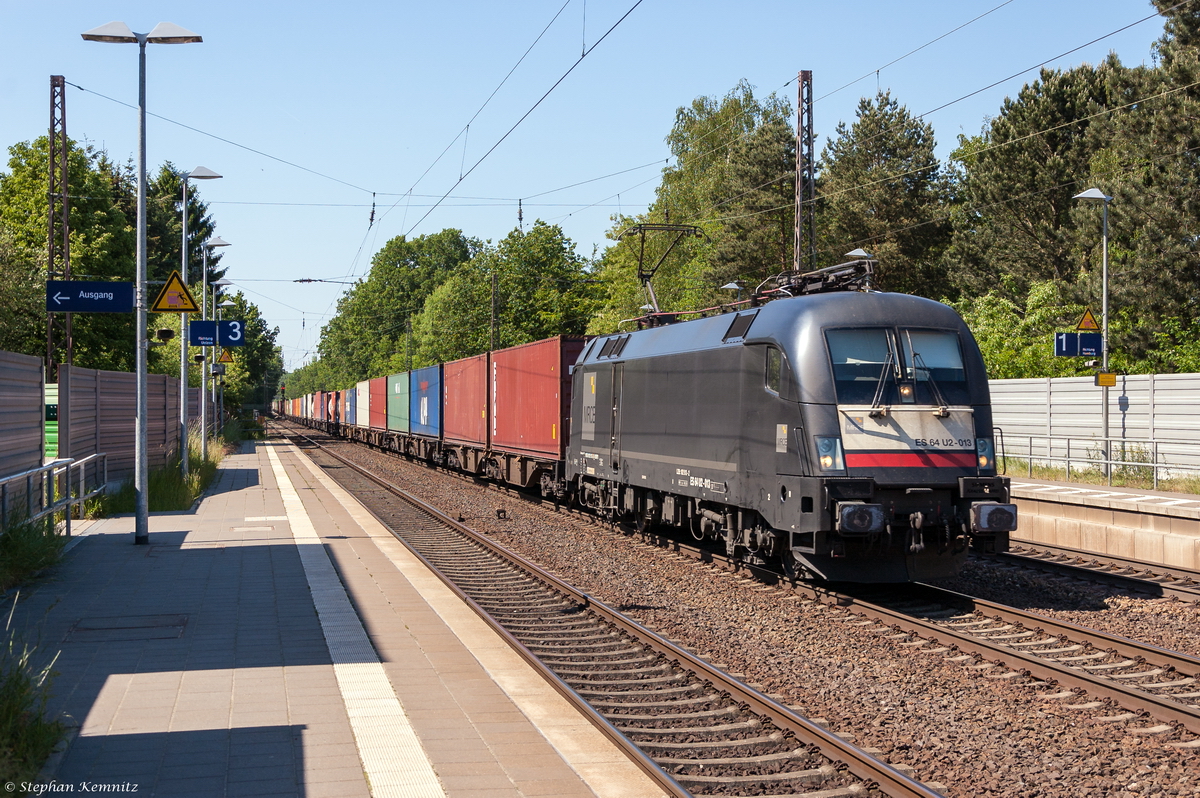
[231, 333]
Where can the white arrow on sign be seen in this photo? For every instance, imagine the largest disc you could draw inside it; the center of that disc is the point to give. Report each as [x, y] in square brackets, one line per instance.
[58, 298]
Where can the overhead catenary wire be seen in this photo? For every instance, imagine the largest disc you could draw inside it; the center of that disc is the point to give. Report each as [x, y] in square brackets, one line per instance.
[525, 116]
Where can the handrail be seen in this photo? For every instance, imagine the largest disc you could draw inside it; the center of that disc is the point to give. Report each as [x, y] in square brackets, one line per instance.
[47, 476]
[1102, 451]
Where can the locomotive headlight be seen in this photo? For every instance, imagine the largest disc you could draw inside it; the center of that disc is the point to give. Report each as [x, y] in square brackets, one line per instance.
[906, 394]
[985, 453]
[829, 453]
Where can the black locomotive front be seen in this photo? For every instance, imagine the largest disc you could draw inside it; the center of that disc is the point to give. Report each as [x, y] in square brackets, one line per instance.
[847, 434]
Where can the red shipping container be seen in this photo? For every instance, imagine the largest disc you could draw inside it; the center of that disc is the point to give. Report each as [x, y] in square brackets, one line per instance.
[378, 410]
[465, 401]
[531, 396]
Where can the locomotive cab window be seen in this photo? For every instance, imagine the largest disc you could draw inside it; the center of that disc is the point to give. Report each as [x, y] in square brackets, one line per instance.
[774, 374]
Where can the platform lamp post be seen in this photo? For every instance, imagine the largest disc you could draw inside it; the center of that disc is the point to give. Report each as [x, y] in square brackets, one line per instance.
[199, 173]
[119, 33]
[202, 395]
[1097, 194]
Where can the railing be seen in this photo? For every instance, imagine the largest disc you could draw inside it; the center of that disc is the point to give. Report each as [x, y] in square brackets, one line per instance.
[40, 497]
[1155, 458]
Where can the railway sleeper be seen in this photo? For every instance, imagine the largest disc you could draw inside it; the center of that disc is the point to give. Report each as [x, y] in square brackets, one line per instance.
[810, 776]
[674, 677]
[602, 670]
[621, 652]
[745, 725]
[596, 633]
[730, 710]
[679, 702]
[710, 745]
[563, 663]
[690, 687]
[778, 757]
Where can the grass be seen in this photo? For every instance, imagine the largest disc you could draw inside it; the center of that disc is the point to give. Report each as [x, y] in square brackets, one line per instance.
[26, 737]
[27, 547]
[168, 490]
[1123, 476]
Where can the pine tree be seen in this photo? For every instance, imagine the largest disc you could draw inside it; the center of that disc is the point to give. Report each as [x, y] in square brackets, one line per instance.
[880, 187]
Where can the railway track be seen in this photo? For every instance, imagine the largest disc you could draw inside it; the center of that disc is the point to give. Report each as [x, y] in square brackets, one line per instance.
[1126, 574]
[702, 731]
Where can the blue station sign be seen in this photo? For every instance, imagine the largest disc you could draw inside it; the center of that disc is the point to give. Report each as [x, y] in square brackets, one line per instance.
[202, 333]
[88, 296]
[231, 333]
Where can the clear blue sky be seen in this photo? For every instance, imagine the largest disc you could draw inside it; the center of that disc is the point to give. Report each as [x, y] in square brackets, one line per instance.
[371, 93]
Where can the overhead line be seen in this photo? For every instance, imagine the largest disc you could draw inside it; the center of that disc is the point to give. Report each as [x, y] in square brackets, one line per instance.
[221, 138]
[527, 113]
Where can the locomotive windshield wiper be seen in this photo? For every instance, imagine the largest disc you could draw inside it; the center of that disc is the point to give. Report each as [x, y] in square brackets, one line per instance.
[919, 363]
[877, 408]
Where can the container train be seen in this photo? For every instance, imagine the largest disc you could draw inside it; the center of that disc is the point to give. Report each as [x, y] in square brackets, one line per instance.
[844, 434]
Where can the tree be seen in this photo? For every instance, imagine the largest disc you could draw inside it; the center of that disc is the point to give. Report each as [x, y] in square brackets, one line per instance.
[164, 227]
[370, 328]
[1017, 182]
[102, 243]
[880, 187]
[542, 290]
[719, 154]
[760, 210]
[257, 361]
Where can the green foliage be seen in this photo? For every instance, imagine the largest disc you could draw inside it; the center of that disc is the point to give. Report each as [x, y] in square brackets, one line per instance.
[26, 736]
[102, 244]
[727, 179]
[370, 329]
[881, 188]
[168, 490]
[27, 547]
[541, 290]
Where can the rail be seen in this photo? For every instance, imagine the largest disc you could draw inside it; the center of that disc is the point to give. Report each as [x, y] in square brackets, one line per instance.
[52, 488]
[1153, 458]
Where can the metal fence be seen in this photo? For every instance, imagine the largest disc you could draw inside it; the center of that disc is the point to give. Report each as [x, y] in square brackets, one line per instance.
[96, 414]
[22, 413]
[1154, 423]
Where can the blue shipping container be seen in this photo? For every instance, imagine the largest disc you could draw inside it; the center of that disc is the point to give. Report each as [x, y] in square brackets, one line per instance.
[351, 402]
[425, 401]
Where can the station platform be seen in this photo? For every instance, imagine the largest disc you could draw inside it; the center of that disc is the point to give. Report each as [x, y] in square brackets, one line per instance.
[278, 641]
[1148, 525]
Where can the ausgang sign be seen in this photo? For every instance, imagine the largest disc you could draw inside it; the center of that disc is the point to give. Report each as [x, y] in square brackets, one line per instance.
[80, 296]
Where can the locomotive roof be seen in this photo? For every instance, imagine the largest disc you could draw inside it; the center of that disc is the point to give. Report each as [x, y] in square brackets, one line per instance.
[796, 326]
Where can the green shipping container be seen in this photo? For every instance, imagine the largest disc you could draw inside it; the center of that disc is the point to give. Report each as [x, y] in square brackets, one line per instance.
[397, 402]
[51, 421]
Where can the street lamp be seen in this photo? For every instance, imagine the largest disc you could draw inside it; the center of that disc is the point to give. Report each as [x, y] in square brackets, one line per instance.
[119, 33]
[199, 173]
[1097, 194]
[203, 393]
[736, 285]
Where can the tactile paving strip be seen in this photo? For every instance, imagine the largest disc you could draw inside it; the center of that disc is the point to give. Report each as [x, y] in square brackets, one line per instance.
[391, 753]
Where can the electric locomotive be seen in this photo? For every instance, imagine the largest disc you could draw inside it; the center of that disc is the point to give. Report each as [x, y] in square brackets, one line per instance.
[846, 433]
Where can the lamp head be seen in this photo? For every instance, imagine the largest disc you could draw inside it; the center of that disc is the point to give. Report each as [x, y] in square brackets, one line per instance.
[113, 33]
[202, 173]
[216, 241]
[1093, 193]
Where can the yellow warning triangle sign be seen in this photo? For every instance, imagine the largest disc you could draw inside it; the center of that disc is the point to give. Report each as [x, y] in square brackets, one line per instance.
[1088, 322]
[175, 297]
[226, 356]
